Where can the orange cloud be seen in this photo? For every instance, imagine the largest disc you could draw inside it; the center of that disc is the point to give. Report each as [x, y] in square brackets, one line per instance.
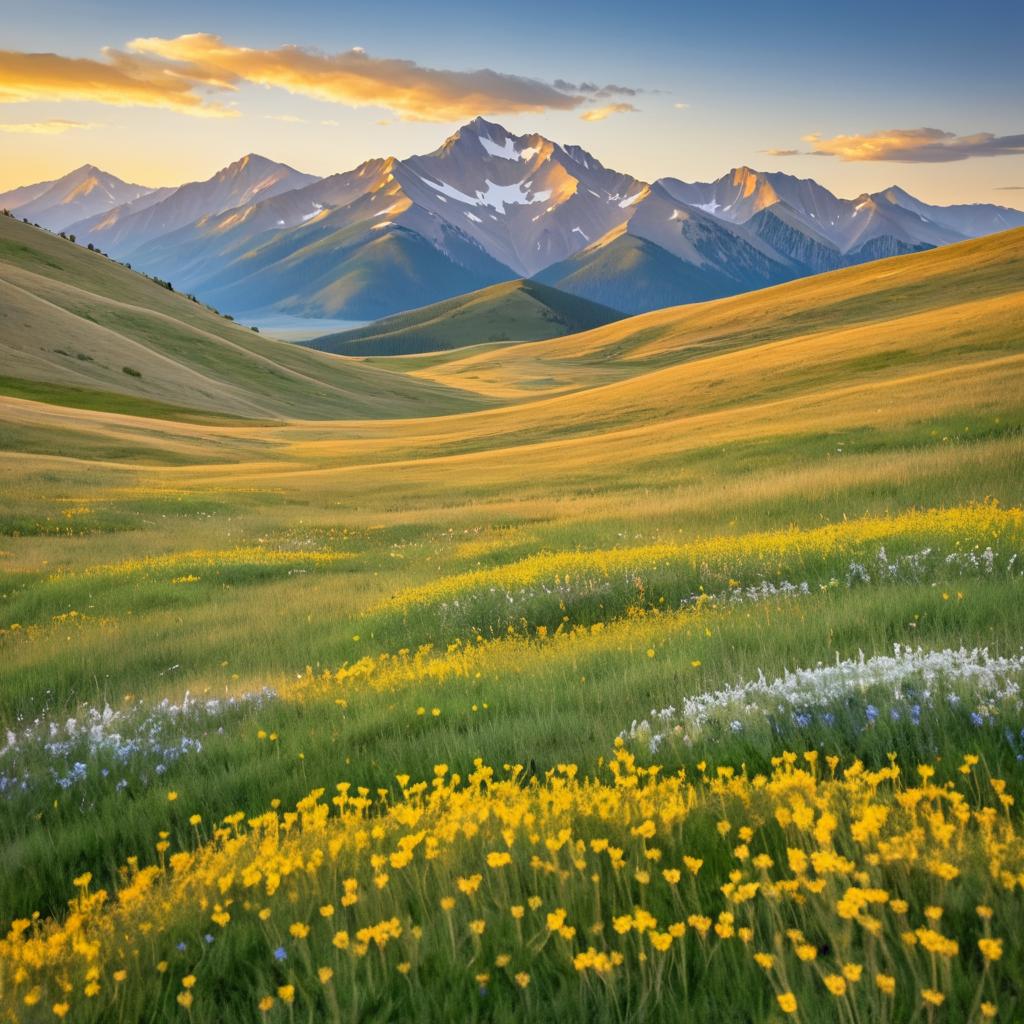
[121, 80]
[600, 113]
[916, 145]
[409, 90]
[186, 72]
[781, 152]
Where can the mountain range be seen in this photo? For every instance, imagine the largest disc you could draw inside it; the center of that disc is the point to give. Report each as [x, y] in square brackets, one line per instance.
[84, 192]
[486, 207]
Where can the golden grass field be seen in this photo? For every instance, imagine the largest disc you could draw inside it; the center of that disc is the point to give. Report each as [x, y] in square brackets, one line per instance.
[371, 634]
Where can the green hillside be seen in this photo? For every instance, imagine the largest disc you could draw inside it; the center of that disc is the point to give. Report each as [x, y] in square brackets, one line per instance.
[509, 312]
[337, 272]
[91, 329]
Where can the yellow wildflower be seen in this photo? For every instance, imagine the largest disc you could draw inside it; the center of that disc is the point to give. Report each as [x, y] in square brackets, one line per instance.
[787, 1002]
[836, 984]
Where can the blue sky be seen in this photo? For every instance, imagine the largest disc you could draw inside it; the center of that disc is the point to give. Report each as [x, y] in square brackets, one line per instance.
[753, 77]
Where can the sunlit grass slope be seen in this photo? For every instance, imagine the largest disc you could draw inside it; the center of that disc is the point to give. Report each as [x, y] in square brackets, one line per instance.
[602, 706]
[880, 295]
[73, 319]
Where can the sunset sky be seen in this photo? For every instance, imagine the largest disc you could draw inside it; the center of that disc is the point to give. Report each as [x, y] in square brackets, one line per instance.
[857, 96]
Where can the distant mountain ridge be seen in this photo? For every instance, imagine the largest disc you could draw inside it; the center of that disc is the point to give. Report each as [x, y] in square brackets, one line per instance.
[247, 180]
[485, 207]
[83, 192]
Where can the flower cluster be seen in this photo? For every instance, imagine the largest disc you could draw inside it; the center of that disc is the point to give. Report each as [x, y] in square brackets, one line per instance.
[123, 748]
[983, 687]
[811, 883]
[753, 554]
[253, 555]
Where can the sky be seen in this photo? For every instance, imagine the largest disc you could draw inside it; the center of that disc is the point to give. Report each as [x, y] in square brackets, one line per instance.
[858, 96]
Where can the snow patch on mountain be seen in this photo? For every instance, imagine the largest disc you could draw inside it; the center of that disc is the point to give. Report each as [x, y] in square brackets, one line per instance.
[494, 196]
[507, 151]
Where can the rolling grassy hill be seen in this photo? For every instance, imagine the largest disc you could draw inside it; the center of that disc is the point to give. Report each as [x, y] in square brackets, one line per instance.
[509, 312]
[877, 297]
[657, 510]
[71, 319]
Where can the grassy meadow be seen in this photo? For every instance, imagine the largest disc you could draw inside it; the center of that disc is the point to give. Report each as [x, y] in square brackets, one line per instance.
[666, 672]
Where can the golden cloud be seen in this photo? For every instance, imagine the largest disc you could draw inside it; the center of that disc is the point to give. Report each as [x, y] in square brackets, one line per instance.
[353, 77]
[600, 113]
[916, 145]
[121, 80]
[52, 127]
[185, 72]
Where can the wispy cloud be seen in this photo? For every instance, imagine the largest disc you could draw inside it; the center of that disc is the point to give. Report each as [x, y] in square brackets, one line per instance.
[353, 77]
[916, 145]
[594, 91]
[681, 106]
[1009, 188]
[600, 113]
[194, 73]
[52, 127]
[781, 152]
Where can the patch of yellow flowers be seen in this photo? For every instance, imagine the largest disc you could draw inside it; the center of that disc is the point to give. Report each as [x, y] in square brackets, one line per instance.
[817, 883]
[430, 665]
[759, 552]
[242, 555]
